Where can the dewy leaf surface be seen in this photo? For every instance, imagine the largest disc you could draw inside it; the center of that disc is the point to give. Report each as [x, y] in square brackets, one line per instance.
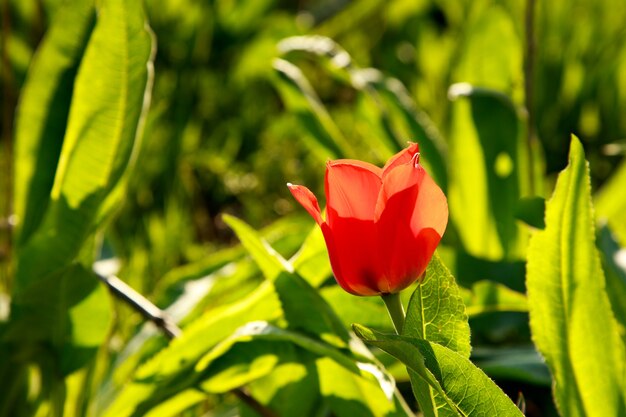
[570, 316]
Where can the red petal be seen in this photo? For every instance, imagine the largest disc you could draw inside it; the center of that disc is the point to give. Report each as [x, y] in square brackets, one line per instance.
[308, 201]
[351, 189]
[412, 214]
[352, 250]
[402, 157]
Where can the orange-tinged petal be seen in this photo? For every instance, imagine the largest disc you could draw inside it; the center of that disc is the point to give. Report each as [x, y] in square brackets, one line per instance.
[351, 189]
[403, 157]
[308, 201]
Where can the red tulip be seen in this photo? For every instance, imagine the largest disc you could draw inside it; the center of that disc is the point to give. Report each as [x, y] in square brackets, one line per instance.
[382, 225]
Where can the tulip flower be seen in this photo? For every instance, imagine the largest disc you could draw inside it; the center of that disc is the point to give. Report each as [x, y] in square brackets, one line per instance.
[382, 224]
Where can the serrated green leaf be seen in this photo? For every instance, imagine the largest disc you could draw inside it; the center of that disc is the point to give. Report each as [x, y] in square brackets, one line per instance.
[570, 314]
[436, 312]
[484, 187]
[41, 117]
[465, 387]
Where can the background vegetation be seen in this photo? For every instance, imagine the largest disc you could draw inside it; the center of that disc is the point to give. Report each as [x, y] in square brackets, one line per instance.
[246, 96]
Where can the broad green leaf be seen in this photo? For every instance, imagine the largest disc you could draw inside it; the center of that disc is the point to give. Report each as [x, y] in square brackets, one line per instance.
[110, 96]
[492, 54]
[347, 394]
[436, 312]
[270, 261]
[291, 389]
[42, 115]
[368, 311]
[260, 330]
[177, 404]
[465, 386]
[304, 308]
[166, 373]
[311, 262]
[70, 309]
[488, 297]
[571, 320]
[484, 185]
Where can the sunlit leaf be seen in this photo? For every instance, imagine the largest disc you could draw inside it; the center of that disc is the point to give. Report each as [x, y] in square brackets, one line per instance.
[570, 315]
[41, 118]
[110, 96]
[466, 388]
[485, 180]
[436, 313]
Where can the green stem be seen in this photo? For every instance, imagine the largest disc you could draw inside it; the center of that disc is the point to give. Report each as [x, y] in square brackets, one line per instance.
[395, 309]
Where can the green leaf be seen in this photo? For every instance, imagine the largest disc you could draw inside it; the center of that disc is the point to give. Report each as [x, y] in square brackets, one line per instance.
[172, 369]
[492, 53]
[465, 387]
[304, 308]
[311, 262]
[291, 389]
[41, 117]
[570, 315]
[610, 202]
[271, 262]
[368, 311]
[347, 394]
[484, 185]
[70, 309]
[111, 94]
[436, 312]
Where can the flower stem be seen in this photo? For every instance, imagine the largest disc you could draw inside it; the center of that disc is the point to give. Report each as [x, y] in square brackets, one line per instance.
[395, 309]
